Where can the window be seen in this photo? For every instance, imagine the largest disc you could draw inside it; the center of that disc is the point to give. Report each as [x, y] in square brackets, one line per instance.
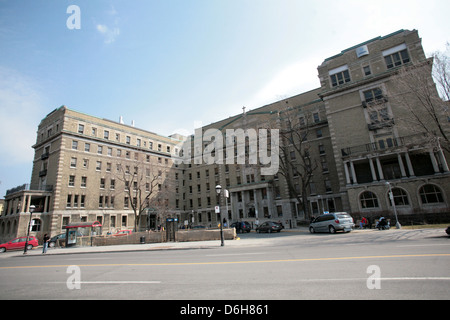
[368, 200]
[396, 56]
[83, 182]
[71, 181]
[87, 147]
[430, 193]
[73, 162]
[100, 150]
[339, 76]
[36, 225]
[98, 166]
[373, 94]
[75, 201]
[379, 115]
[316, 117]
[106, 134]
[81, 128]
[74, 145]
[400, 197]
[366, 70]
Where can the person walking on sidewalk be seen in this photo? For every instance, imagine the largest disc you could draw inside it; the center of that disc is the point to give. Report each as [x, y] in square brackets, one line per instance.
[46, 240]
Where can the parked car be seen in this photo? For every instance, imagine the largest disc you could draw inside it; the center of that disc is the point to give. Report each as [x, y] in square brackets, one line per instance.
[332, 222]
[123, 233]
[62, 239]
[242, 226]
[448, 230]
[19, 244]
[269, 226]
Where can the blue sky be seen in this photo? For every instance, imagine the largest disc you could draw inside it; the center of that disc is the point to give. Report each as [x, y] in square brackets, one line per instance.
[167, 64]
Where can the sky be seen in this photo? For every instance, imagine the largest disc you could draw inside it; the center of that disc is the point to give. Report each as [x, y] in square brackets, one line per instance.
[171, 64]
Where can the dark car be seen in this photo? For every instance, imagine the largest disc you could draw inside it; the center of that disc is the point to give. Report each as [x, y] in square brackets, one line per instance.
[62, 239]
[242, 226]
[448, 230]
[269, 226]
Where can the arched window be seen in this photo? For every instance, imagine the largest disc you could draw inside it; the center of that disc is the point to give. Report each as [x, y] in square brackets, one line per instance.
[400, 197]
[430, 193]
[368, 200]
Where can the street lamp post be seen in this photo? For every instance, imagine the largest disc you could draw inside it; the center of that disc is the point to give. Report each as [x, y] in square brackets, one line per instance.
[218, 191]
[391, 196]
[32, 207]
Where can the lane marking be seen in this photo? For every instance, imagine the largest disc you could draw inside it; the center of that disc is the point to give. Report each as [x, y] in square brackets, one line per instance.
[113, 282]
[231, 262]
[235, 254]
[379, 279]
[423, 245]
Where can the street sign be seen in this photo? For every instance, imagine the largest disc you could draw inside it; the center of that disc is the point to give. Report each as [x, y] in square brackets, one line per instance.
[217, 209]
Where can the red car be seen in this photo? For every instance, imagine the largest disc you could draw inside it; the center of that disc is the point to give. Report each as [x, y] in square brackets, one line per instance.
[123, 233]
[19, 244]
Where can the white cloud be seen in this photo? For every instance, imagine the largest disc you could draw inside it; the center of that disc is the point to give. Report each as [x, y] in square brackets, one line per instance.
[110, 35]
[20, 112]
[296, 78]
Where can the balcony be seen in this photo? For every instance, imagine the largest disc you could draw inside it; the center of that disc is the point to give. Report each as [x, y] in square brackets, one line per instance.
[416, 141]
[30, 187]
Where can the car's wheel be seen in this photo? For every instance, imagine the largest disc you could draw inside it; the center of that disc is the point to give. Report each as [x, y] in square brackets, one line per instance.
[311, 229]
[29, 247]
[2, 249]
[332, 229]
[51, 244]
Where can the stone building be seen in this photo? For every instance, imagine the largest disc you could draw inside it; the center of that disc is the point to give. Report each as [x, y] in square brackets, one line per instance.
[91, 169]
[356, 146]
[377, 145]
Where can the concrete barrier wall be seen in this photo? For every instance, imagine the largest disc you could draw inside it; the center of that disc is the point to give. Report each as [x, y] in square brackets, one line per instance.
[157, 237]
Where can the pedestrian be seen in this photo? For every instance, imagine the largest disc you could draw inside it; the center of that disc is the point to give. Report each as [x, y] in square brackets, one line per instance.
[46, 240]
[363, 222]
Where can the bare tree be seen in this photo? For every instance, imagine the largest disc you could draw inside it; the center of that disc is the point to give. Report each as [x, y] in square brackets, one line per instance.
[140, 184]
[296, 162]
[414, 91]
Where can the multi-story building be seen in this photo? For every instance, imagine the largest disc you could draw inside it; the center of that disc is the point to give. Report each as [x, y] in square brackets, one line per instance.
[352, 144]
[91, 169]
[378, 145]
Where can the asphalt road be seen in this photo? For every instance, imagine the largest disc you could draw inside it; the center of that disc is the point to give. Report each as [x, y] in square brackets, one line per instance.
[394, 264]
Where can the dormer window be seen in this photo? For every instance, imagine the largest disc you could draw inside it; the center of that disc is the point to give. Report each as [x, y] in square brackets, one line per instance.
[396, 56]
[339, 76]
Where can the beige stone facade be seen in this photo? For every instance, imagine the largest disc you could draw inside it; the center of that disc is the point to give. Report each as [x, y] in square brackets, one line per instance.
[357, 143]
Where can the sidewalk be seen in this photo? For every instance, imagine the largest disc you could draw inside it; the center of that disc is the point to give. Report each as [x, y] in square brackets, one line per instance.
[138, 247]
